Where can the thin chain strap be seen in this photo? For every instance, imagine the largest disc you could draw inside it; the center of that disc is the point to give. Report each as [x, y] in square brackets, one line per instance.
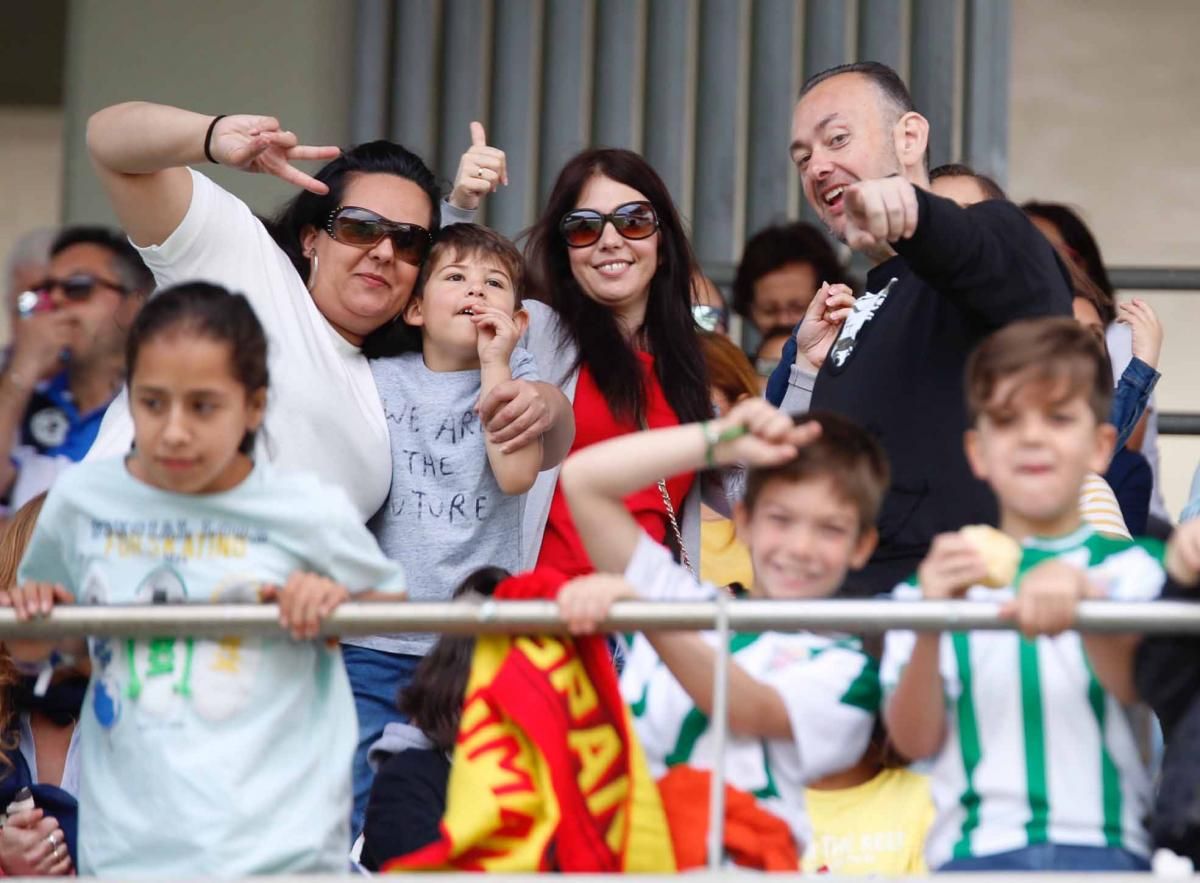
[666, 498]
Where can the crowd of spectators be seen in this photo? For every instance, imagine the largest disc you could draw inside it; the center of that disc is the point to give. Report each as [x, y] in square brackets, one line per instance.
[370, 396]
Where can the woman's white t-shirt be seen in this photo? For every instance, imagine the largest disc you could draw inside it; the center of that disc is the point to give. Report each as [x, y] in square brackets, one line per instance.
[323, 414]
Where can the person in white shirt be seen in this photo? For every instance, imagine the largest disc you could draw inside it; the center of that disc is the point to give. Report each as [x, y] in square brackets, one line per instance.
[328, 278]
[323, 278]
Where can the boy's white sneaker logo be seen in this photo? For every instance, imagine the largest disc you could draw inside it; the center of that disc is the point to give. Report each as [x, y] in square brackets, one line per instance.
[864, 311]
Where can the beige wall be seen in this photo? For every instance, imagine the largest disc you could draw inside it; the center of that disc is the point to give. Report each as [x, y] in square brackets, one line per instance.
[31, 187]
[288, 58]
[1105, 116]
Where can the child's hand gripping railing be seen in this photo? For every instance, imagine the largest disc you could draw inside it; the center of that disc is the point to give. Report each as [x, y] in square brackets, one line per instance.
[542, 617]
[723, 615]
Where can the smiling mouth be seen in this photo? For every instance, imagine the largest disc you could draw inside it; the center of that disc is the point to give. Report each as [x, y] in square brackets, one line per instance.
[795, 575]
[833, 196]
[613, 267]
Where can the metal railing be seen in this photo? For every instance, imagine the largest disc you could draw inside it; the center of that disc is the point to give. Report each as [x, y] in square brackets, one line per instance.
[1179, 279]
[491, 617]
[513, 617]
[1155, 278]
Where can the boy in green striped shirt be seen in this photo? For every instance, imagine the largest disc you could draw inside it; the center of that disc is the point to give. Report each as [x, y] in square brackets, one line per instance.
[1033, 763]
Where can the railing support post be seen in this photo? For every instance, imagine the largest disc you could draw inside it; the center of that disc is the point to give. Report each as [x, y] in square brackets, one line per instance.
[720, 723]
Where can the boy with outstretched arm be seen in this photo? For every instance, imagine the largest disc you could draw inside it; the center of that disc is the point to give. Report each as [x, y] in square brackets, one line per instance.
[801, 705]
[1033, 763]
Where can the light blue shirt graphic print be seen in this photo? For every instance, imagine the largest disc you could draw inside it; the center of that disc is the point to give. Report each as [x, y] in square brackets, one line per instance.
[227, 756]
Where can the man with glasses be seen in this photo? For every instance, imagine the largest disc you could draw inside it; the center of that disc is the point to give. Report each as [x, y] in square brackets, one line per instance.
[67, 360]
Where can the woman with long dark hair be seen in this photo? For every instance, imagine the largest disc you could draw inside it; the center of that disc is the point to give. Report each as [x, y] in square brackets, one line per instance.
[612, 265]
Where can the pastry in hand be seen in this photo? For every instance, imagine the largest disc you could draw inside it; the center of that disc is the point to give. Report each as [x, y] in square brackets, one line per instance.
[1001, 553]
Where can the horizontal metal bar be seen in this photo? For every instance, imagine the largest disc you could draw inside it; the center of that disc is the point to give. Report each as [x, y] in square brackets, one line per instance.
[1155, 278]
[865, 617]
[1178, 423]
[1125, 278]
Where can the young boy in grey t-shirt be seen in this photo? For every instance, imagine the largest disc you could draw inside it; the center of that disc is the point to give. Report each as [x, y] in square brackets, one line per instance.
[455, 501]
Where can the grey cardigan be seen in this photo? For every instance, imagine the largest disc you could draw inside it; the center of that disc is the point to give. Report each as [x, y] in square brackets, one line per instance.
[555, 353]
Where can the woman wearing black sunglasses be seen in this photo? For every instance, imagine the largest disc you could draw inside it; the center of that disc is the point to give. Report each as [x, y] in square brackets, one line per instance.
[612, 264]
[326, 277]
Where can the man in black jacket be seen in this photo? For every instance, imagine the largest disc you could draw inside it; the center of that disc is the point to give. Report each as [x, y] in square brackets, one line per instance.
[944, 277]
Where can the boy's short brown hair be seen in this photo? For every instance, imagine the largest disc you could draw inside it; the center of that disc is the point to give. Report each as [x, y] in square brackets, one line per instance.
[844, 454]
[462, 241]
[1048, 350]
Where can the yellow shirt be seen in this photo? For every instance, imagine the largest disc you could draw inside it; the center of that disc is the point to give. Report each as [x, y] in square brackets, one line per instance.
[873, 829]
[723, 557]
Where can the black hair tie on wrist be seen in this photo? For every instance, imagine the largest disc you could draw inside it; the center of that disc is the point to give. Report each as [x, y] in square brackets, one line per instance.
[208, 138]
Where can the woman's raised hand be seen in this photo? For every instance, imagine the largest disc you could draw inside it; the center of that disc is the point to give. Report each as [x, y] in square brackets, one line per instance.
[1147, 329]
[259, 144]
[823, 320]
[480, 171]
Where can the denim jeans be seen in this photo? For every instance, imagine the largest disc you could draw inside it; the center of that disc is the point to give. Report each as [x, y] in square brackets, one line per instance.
[1052, 857]
[376, 678]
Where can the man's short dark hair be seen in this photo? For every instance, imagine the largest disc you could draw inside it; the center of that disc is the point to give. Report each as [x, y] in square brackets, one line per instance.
[132, 270]
[988, 185]
[774, 247]
[885, 79]
[895, 93]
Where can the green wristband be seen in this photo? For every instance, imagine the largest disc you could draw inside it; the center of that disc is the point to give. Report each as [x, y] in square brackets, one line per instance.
[712, 438]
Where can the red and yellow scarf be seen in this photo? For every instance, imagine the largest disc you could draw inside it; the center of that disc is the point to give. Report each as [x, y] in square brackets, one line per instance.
[547, 772]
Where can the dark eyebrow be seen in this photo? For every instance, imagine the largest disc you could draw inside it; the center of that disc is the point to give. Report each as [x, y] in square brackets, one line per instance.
[192, 393]
[825, 121]
[462, 265]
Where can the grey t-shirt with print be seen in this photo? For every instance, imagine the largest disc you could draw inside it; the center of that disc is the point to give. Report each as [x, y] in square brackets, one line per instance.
[445, 515]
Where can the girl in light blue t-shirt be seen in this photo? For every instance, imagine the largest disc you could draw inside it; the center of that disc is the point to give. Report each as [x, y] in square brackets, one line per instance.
[205, 757]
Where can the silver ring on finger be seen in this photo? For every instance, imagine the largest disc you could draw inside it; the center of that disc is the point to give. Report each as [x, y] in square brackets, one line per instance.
[50, 839]
[479, 172]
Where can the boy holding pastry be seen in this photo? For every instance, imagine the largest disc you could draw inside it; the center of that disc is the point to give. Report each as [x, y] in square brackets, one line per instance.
[1033, 763]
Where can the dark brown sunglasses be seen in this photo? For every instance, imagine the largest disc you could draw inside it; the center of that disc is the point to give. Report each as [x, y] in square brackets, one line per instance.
[363, 228]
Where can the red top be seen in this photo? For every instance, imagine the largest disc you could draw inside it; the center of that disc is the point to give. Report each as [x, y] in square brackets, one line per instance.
[595, 422]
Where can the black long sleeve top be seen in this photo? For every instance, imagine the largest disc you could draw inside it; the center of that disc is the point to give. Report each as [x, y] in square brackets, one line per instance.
[897, 368]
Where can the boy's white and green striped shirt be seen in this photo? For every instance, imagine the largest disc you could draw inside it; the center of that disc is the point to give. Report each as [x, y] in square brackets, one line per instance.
[829, 686]
[1036, 750]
